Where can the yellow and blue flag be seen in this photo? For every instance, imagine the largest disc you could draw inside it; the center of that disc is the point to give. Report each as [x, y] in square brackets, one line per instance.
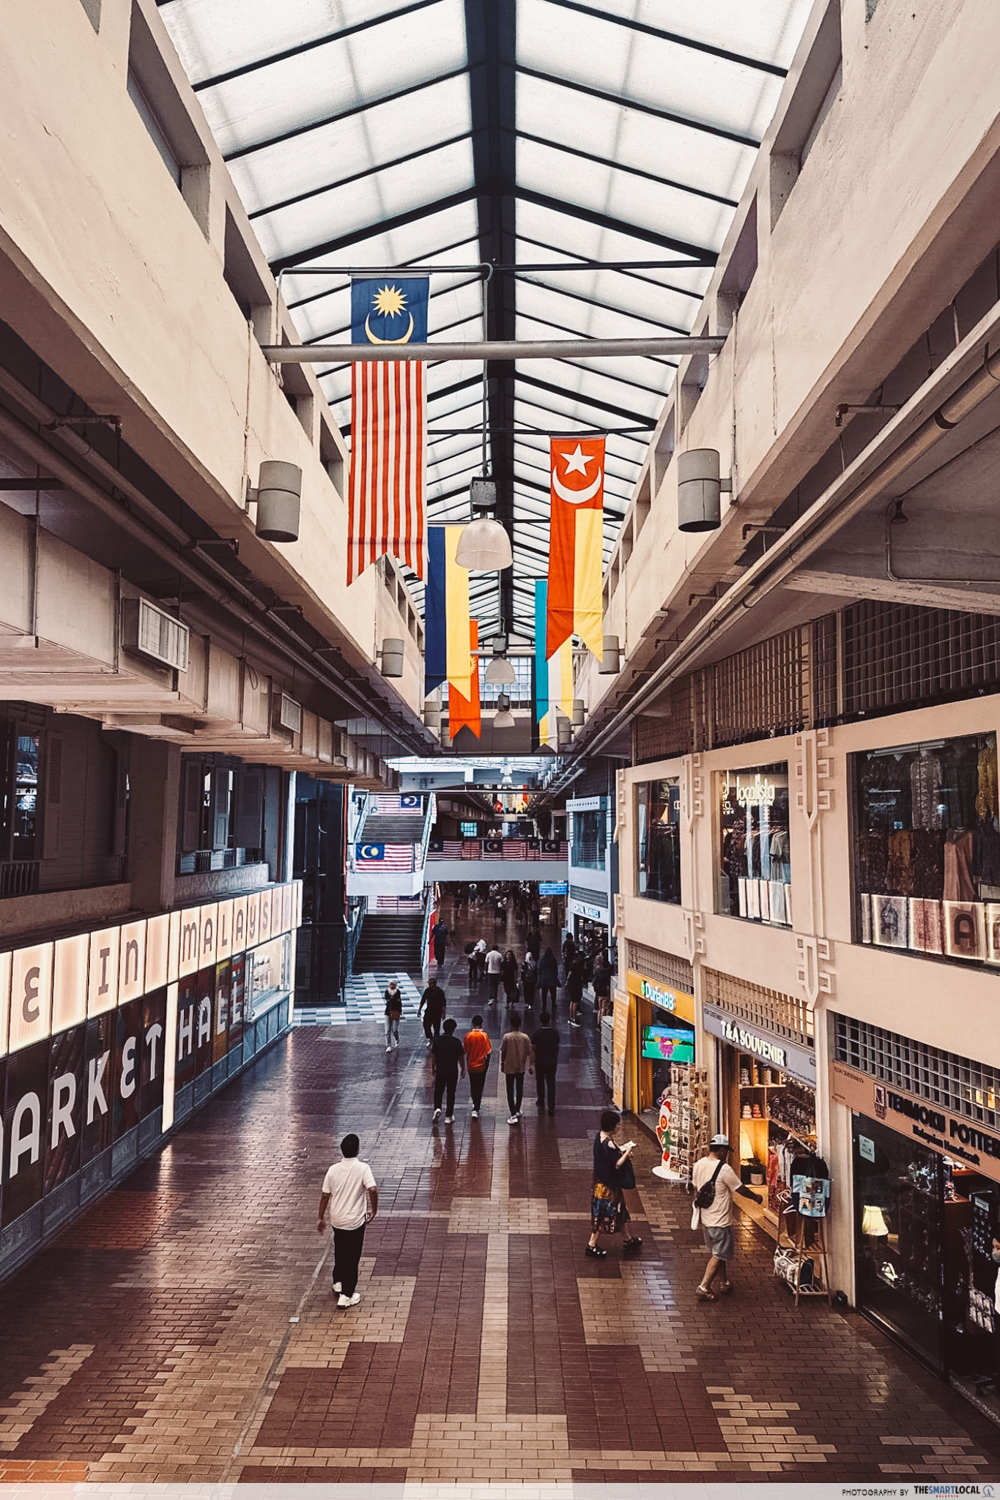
[553, 675]
[447, 654]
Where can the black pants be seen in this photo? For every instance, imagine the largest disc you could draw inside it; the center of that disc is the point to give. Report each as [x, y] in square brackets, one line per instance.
[347, 1247]
[515, 1091]
[546, 1077]
[477, 1082]
[432, 1026]
[440, 1085]
[493, 981]
[550, 990]
[529, 996]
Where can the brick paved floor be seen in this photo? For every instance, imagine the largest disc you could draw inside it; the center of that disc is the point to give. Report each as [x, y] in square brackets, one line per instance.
[184, 1329]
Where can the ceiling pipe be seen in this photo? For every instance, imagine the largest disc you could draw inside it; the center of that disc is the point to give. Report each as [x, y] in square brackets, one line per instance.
[178, 554]
[310, 354]
[864, 481]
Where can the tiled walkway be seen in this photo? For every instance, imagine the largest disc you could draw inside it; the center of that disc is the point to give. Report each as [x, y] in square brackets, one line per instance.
[185, 1328]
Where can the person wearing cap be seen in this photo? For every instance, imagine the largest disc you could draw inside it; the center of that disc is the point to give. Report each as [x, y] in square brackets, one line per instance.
[717, 1219]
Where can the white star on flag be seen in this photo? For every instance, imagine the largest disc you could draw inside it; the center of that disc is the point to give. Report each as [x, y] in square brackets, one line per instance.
[576, 463]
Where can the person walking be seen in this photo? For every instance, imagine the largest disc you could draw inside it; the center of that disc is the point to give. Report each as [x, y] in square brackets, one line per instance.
[439, 940]
[477, 961]
[515, 1056]
[716, 1217]
[477, 1057]
[602, 990]
[393, 1015]
[533, 942]
[449, 1056]
[433, 1004]
[568, 950]
[529, 980]
[349, 1199]
[494, 963]
[548, 978]
[544, 1057]
[608, 1214]
[508, 973]
[574, 987]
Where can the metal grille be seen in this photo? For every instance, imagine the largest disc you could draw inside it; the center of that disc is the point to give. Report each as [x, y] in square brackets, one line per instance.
[783, 1014]
[764, 690]
[895, 654]
[954, 1083]
[584, 894]
[663, 967]
[672, 733]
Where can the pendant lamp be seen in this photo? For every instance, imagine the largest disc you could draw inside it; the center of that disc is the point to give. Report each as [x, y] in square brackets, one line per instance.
[484, 546]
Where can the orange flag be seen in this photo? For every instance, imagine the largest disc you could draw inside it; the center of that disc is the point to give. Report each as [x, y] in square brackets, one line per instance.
[466, 711]
[576, 544]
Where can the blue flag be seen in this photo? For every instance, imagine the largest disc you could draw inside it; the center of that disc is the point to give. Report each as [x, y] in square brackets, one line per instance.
[389, 310]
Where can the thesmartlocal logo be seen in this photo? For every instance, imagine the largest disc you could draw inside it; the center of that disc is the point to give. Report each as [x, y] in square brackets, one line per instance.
[986, 1490]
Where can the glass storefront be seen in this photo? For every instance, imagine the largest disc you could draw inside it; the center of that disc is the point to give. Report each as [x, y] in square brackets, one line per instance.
[590, 838]
[658, 825]
[755, 869]
[925, 1227]
[927, 848]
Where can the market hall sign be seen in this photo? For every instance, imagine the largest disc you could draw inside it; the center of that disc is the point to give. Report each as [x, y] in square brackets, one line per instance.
[947, 1134]
[791, 1057]
[661, 995]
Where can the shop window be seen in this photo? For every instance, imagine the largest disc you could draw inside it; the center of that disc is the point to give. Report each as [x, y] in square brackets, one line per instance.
[590, 839]
[927, 849]
[755, 858]
[658, 825]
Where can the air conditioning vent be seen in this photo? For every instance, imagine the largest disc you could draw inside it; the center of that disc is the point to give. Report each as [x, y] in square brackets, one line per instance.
[153, 633]
[290, 714]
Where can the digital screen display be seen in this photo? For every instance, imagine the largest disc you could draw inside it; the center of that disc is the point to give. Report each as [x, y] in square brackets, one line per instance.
[553, 887]
[668, 1044]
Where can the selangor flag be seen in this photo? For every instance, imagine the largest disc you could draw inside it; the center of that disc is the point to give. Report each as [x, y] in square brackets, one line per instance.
[446, 615]
[388, 427]
[553, 676]
[463, 710]
[576, 544]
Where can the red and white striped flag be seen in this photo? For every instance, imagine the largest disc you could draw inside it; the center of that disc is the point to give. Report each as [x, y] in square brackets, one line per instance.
[388, 428]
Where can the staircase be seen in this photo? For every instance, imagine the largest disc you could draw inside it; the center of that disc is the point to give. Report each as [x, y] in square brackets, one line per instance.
[381, 828]
[389, 945]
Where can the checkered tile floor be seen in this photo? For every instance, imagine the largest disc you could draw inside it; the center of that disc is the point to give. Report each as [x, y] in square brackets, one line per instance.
[365, 1001]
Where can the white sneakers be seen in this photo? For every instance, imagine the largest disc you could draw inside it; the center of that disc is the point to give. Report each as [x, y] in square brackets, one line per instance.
[475, 1114]
[437, 1114]
[449, 1119]
[336, 1286]
[514, 1120]
[343, 1301]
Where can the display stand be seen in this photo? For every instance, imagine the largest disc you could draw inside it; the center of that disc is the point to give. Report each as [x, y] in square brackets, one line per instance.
[816, 1252]
[688, 1099]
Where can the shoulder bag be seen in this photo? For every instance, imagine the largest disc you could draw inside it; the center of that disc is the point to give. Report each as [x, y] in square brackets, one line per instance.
[705, 1196]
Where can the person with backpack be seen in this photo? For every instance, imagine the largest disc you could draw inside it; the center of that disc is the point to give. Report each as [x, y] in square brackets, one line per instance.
[393, 1015]
[529, 980]
[714, 1183]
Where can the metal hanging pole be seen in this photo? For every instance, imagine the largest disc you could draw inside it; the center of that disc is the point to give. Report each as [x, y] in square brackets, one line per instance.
[311, 354]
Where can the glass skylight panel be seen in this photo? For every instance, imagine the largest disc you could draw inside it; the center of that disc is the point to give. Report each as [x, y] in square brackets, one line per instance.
[215, 36]
[361, 142]
[769, 31]
[566, 304]
[326, 81]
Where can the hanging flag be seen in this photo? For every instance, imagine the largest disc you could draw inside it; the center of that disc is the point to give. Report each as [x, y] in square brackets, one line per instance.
[388, 427]
[576, 544]
[464, 708]
[446, 614]
[553, 675]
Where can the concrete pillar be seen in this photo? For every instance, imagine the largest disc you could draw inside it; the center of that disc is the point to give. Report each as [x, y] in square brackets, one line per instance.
[154, 790]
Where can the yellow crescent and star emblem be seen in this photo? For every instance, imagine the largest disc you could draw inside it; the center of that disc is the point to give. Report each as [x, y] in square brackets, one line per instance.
[389, 302]
[576, 463]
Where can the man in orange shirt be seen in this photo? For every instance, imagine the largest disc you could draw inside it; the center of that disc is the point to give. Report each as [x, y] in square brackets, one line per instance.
[477, 1057]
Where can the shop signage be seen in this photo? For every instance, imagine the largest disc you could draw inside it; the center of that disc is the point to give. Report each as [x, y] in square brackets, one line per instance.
[587, 804]
[553, 887]
[592, 913]
[791, 1057]
[662, 995]
[967, 1143]
[749, 791]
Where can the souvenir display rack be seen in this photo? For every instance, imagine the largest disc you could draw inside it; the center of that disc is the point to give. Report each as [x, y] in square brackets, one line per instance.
[688, 1097]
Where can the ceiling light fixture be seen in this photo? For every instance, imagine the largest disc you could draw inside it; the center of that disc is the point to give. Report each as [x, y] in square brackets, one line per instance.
[503, 718]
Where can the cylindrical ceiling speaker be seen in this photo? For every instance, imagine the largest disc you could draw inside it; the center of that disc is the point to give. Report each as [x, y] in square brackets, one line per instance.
[610, 658]
[392, 656]
[279, 500]
[578, 712]
[698, 490]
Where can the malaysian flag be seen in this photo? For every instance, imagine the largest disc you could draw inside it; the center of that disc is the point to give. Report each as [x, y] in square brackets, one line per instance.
[515, 849]
[471, 849]
[388, 427]
[389, 805]
[383, 856]
[493, 848]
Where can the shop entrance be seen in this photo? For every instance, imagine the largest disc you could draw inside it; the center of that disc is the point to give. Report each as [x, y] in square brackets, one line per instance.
[924, 1232]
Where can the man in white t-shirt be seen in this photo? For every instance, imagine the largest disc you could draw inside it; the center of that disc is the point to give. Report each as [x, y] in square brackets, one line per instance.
[350, 1195]
[494, 963]
[717, 1219]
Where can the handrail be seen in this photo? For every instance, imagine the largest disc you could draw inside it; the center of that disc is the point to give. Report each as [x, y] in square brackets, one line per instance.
[430, 818]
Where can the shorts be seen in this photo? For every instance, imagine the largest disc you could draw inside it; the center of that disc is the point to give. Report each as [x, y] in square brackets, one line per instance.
[719, 1240]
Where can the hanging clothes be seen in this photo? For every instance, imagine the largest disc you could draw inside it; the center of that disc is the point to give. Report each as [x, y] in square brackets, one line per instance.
[925, 791]
[986, 775]
[958, 852]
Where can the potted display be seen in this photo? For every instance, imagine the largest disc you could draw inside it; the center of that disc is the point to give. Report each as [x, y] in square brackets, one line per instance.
[756, 1172]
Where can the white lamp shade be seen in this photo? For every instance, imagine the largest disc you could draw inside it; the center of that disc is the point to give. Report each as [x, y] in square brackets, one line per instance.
[500, 670]
[504, 719]
[484, 547]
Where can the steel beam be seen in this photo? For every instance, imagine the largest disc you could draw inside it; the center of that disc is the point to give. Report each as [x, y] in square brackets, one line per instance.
[315, 354]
